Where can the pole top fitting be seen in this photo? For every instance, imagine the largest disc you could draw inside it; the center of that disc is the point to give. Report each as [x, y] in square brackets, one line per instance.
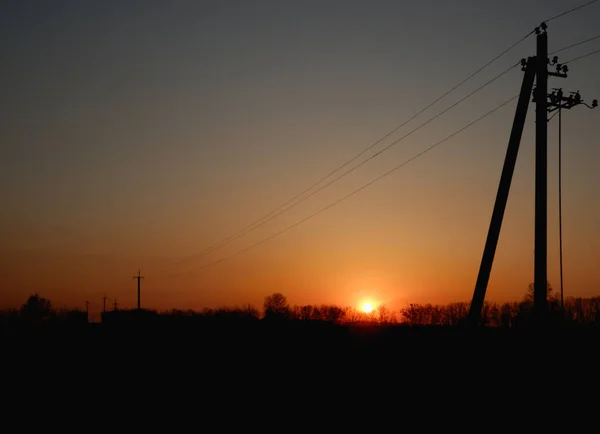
[523, 64]
[541, 28]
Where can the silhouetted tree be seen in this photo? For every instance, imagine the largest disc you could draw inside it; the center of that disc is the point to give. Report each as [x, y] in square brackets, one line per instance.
[354, 316]
[383, 313]
[549, 292]
[305, 313]
[276, 307]
[414, 314]
[331, 313]
[36, 310]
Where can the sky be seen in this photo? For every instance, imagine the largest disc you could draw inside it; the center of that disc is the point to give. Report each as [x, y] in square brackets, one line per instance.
[136, 134]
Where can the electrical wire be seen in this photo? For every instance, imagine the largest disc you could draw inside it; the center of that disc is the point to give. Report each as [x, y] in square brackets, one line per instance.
[331, 205]
[395, 142]
[261, 221]
[570, 11]
[582, 57]
[574, 45]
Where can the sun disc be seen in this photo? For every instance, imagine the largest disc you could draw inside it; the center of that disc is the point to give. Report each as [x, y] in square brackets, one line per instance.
[367, 307]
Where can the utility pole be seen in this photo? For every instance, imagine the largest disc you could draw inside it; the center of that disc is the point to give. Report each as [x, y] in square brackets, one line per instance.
[529, 66]
[540, 275]
[138, 277]
[104, 304]
[115, 305]
[540, 302]
[534, 67]
[557, 101]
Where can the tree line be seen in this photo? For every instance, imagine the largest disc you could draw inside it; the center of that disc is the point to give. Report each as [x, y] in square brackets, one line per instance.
[576, 311]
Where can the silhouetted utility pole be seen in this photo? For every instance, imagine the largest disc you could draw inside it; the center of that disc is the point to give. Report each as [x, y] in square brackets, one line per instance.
[537, 66]
[540, 302]
[540, 282]
[540, 272]
[87, 309]
[138, 277]
[115, 305]
[557, 101]
[104, 304]
[502, 195]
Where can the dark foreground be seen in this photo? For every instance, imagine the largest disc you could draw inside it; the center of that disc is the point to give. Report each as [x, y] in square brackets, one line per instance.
[222, 371]
[298, 343]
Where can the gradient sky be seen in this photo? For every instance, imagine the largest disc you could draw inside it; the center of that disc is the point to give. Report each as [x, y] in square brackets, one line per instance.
[135, 134]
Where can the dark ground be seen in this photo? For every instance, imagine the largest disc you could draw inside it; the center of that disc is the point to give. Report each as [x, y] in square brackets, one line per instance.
[219, 372]
[256, 341]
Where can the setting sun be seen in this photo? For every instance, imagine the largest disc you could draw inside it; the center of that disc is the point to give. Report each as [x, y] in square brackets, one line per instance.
[367, 307]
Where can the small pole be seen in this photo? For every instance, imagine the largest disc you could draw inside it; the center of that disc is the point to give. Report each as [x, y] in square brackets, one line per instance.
[138, 277]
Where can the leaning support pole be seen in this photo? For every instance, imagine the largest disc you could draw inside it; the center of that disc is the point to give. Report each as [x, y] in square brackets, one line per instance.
[502, 195]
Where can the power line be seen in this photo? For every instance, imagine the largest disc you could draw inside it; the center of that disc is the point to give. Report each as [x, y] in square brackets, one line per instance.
[260, 222]
[574, 45]
[582, 57]
[398, 140]
[331, 205]
[263, 220]
[393, 143]
[271, 217]
[570, 10]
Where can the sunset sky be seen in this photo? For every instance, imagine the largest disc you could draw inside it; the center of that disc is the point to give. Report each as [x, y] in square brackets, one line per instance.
[135, 134]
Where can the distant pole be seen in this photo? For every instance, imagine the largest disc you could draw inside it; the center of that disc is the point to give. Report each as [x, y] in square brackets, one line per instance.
[104, 304]
[138, 277]
[115, 304]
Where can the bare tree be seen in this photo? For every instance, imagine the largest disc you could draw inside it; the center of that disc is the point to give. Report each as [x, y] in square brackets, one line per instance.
[383, 313]
[332, 313]
[352, 315]
[276, 307]
[304, 313]
[549, 292]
